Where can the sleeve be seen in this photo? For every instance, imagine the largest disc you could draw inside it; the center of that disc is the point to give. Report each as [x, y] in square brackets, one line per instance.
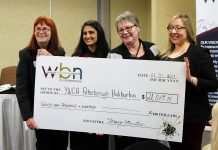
[207, 79]
[155, 50]
[115, 53]
[62, 51]
[23, 87]
[114, 56]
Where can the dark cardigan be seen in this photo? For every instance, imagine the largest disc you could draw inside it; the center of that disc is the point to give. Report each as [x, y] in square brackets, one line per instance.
[197, 109]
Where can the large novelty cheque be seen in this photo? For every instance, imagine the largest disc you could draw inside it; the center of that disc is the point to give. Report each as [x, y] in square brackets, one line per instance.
[138, 98]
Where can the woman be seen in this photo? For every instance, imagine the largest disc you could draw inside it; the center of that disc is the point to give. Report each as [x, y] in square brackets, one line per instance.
[214, 131]
[200, 79]
[92, 43]
[132, 47]
[44, 42]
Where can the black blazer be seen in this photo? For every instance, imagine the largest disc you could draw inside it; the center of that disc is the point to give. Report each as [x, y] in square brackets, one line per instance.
[197, 109]
[25, 81]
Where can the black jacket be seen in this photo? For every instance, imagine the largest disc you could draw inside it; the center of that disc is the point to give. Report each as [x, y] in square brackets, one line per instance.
[25, 81]
[197, 109]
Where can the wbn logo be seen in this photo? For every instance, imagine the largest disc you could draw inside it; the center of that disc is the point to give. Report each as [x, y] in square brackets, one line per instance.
[64, 72]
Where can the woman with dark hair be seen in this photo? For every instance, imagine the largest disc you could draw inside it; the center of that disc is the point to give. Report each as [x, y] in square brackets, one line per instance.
[44, 42]
[92, 43]
[214, 130]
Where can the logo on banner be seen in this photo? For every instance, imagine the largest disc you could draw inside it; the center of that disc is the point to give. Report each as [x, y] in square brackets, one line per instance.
[206, 1]
[63, 73]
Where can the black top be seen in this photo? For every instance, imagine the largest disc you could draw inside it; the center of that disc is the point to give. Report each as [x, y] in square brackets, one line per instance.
[88, 53]
[122, 51]
[197, 109]
[25, 81]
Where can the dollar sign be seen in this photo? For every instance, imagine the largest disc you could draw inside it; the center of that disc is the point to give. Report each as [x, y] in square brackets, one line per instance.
[143, 96]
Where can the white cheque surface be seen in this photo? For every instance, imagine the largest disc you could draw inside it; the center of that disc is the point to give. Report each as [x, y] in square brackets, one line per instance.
[113, 96]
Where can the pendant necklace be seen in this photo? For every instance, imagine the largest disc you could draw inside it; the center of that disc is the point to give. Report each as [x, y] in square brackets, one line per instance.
[135, 55]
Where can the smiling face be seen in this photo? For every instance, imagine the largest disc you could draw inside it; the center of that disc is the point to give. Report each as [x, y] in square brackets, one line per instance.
[90, 36]
[128, 32]
[42, 34]
[177, 32]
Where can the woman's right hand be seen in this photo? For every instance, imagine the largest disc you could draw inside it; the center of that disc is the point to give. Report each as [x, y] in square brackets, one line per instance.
[43, 52]
[210, 122]
[31, 124]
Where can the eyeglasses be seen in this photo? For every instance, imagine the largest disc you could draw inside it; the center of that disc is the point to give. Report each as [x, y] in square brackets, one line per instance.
[38, 29]
[127, 29]
[178, 28]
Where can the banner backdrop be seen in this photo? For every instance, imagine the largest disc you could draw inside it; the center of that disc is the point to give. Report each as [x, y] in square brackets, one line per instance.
[207, 33]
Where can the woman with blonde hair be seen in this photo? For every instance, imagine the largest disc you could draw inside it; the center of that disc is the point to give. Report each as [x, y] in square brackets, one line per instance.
[214, 131]
[200, 79]
[214, 134]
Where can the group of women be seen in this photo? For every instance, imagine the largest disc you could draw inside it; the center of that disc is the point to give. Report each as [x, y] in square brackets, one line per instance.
[200, 76]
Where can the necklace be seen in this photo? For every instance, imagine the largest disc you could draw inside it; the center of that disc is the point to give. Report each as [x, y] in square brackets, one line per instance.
[167, 58]
[135, 55]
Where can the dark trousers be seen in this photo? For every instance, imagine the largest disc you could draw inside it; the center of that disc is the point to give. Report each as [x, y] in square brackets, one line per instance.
[51, 139]
[88, 141]
[122, 142]
[192, 137]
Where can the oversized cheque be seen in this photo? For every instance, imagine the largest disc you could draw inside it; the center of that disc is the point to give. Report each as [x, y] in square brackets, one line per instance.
[113, 96]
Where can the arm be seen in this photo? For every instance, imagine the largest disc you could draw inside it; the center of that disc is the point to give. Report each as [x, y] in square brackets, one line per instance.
[207, 79]
[23, 86]
[114, 56]
[202, 72]
[115, 53]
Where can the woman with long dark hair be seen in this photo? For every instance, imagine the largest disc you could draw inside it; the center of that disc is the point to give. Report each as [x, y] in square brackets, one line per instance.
[92, 43]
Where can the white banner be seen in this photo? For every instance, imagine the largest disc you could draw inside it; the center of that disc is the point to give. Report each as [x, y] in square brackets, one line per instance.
[207, 33]
[206, 15]
[112, 96]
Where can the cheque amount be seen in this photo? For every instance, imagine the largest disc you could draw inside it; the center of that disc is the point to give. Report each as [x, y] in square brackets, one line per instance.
[160, 97]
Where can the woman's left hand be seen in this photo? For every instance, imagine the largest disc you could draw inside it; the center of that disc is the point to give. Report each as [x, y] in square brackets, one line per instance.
[99, 134]
[188, 73]
[189, 77]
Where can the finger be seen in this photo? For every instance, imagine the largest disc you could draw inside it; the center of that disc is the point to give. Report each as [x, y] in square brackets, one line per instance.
[39, 52]
[30, 127]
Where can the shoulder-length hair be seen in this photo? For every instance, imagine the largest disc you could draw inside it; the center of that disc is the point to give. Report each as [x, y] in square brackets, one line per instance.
[190, 33]
[214, 131]
[102, 48]
[53, 44]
